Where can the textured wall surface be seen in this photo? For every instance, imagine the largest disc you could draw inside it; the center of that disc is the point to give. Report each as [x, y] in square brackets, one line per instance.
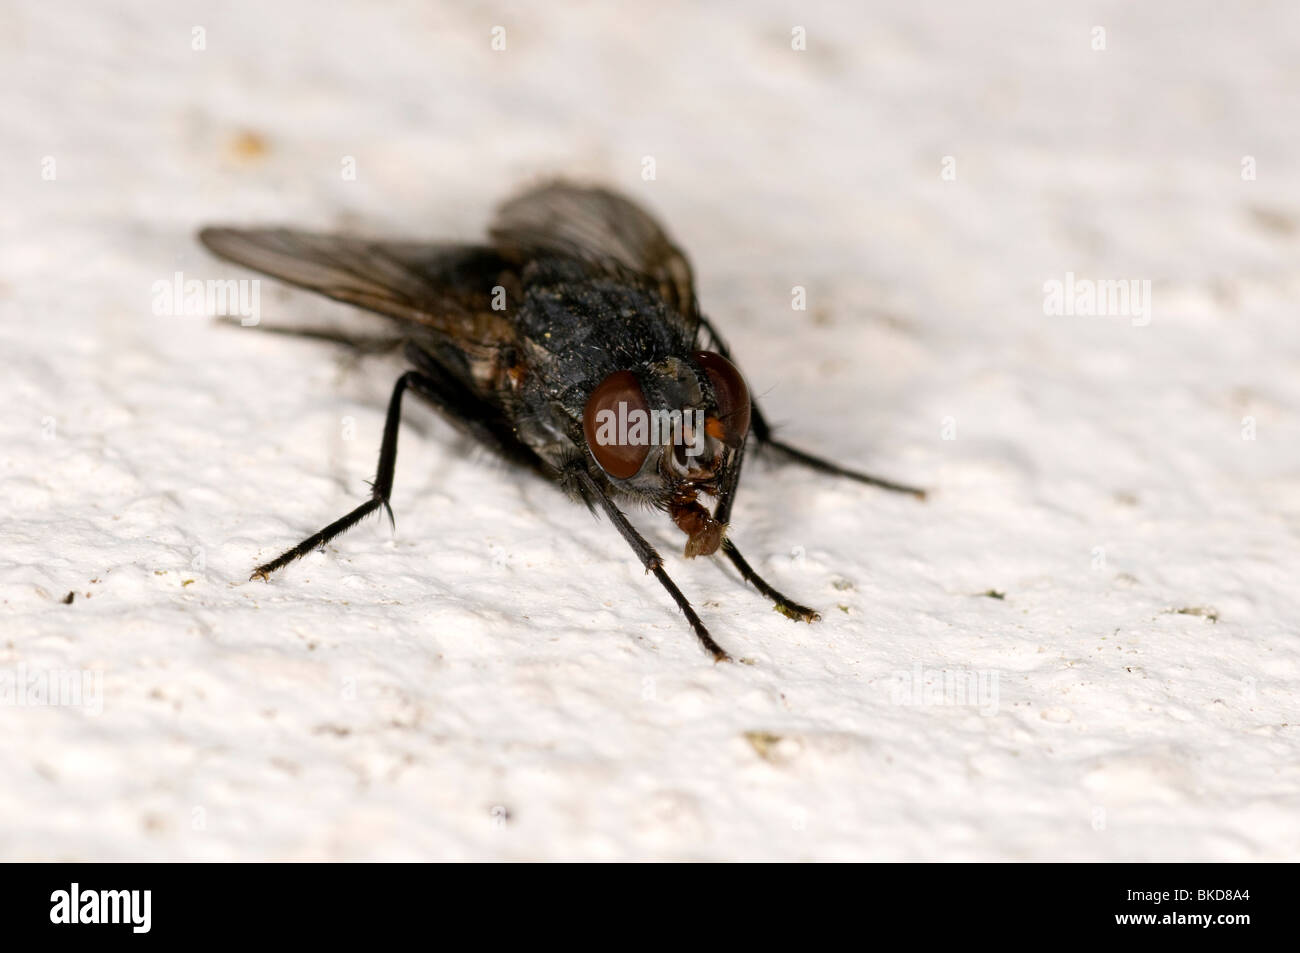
[498, 678]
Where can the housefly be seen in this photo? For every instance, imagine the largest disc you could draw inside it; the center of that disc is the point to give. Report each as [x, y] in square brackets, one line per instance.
[570, 343]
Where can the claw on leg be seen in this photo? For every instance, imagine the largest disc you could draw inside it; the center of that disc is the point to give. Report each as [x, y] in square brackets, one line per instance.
[781, 603]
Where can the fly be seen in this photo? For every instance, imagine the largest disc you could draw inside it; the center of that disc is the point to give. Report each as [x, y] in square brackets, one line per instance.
[570, 343]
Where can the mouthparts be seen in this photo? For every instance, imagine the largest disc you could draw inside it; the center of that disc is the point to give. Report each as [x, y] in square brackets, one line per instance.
[704, 532]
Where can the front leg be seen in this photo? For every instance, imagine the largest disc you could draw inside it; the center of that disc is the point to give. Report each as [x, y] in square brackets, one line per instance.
[594, 492]
[781, 603]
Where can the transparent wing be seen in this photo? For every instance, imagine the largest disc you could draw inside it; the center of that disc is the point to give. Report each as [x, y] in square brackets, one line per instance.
[596, 225]
[448, 288]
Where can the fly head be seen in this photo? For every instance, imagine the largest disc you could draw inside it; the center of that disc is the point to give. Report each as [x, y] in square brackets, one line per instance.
[669, 430]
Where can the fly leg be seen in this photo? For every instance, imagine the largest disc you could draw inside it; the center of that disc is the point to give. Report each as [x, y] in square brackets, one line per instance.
[783, 604]
[459, 406]
[822, 465]
[762, 432]
[379, 490]
[722, 514]
[646, 553]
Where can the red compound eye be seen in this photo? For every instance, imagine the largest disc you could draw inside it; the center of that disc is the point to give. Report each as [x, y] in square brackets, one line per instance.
[617, 396]
[731, 398]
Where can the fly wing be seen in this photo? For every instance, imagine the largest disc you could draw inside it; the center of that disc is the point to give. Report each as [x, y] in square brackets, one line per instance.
[600, 226]
[447, 288]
